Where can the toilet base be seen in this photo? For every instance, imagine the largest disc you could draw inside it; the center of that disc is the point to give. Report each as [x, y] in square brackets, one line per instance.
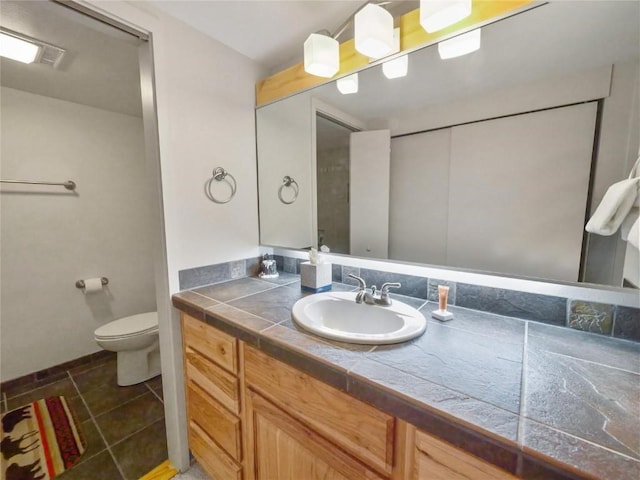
[137, 366]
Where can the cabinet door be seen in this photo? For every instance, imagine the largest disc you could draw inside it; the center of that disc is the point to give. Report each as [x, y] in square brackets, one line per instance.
[285, 449]
[437, 460]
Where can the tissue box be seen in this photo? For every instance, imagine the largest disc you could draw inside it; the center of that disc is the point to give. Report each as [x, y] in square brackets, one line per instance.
[315, 278]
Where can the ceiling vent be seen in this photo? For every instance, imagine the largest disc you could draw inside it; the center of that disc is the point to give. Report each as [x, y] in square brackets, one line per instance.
[50, 55]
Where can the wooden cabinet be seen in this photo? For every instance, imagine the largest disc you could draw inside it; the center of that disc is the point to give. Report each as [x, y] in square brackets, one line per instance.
[252, 417]
[360, 429]
[286, 449]
[213, 398]
[428, 458]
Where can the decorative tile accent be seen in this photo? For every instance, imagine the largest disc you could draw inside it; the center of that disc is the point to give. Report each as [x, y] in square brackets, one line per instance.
[529, 306]
[238, 269]
[627, 323]
[432, 294]
[591, 317]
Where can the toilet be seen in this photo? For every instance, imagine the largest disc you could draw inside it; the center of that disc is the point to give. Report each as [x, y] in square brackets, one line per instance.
[135, 339]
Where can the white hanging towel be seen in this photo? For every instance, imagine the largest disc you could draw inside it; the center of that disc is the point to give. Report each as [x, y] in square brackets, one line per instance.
[615, 205]
[634, 234]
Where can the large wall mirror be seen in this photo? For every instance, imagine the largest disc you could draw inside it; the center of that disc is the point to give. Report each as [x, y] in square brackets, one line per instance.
[492, 161]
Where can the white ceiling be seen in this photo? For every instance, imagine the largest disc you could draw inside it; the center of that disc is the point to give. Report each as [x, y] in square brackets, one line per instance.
[100, 67]
[271, 32]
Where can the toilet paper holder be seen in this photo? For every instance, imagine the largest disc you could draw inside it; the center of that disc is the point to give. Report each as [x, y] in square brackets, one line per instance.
[80, 283]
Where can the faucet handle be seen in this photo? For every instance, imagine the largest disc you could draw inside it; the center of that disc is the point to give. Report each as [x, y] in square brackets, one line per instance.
[361, 283]
[386, 286]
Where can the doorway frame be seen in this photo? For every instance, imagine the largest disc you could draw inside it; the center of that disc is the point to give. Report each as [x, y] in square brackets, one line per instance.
[114, 14]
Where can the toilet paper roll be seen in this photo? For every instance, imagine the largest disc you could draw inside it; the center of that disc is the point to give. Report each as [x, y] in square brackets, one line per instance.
[92, 285]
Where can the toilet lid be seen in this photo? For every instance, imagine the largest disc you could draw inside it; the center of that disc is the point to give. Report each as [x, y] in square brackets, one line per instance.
[127, 326]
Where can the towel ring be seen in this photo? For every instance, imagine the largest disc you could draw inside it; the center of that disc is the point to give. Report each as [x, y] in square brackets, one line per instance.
[219, 175]
[287, 181]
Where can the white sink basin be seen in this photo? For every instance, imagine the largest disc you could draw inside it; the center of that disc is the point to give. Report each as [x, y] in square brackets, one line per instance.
[337, 316]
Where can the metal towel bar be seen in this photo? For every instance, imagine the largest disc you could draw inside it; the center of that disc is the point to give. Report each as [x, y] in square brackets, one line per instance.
[69, 184]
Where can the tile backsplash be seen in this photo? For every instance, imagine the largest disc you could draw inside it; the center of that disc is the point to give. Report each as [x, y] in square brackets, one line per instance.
[604, 319]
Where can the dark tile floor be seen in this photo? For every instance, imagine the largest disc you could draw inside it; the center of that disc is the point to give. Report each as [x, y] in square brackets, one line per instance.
[123, 426]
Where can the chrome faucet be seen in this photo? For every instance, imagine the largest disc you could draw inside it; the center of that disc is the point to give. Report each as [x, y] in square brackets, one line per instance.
[369, 297]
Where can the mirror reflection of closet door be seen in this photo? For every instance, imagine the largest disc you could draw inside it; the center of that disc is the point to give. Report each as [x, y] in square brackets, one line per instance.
[369, 193]
[531, 220]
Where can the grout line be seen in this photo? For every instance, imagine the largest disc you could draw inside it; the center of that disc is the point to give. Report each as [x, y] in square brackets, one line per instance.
[121, 404]
[154, 392]
[33, 389]
[98, 429]
[523, 388]
[523, 400]
[161, 419]
[254, 293]
[592, 362]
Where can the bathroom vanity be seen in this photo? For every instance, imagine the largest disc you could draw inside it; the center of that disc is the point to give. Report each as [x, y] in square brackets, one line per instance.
[293, 426]
[266, 400]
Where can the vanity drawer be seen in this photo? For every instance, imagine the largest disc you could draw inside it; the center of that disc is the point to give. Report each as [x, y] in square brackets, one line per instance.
[355, 426]
[212, 458]
[219, 424]
[215, 381]
[211, 342]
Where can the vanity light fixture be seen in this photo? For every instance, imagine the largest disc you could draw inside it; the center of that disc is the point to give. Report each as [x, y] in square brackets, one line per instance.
[17, 48]
[321, 55]
[349, 84]
[399, 66]
[438, 14]
[373, 31]
[396, 68]
[460, 45]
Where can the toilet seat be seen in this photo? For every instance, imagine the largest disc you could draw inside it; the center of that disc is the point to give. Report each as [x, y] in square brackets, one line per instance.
[141, 324]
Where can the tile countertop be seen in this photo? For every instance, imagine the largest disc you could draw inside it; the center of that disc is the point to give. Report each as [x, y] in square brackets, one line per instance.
[543, 401]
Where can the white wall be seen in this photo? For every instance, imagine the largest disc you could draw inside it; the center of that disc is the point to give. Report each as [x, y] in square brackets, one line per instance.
[52, 237]
[285, 137]
[205, 94]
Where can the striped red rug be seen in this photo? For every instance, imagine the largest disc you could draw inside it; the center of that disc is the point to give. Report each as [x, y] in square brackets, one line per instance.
[39, 441]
